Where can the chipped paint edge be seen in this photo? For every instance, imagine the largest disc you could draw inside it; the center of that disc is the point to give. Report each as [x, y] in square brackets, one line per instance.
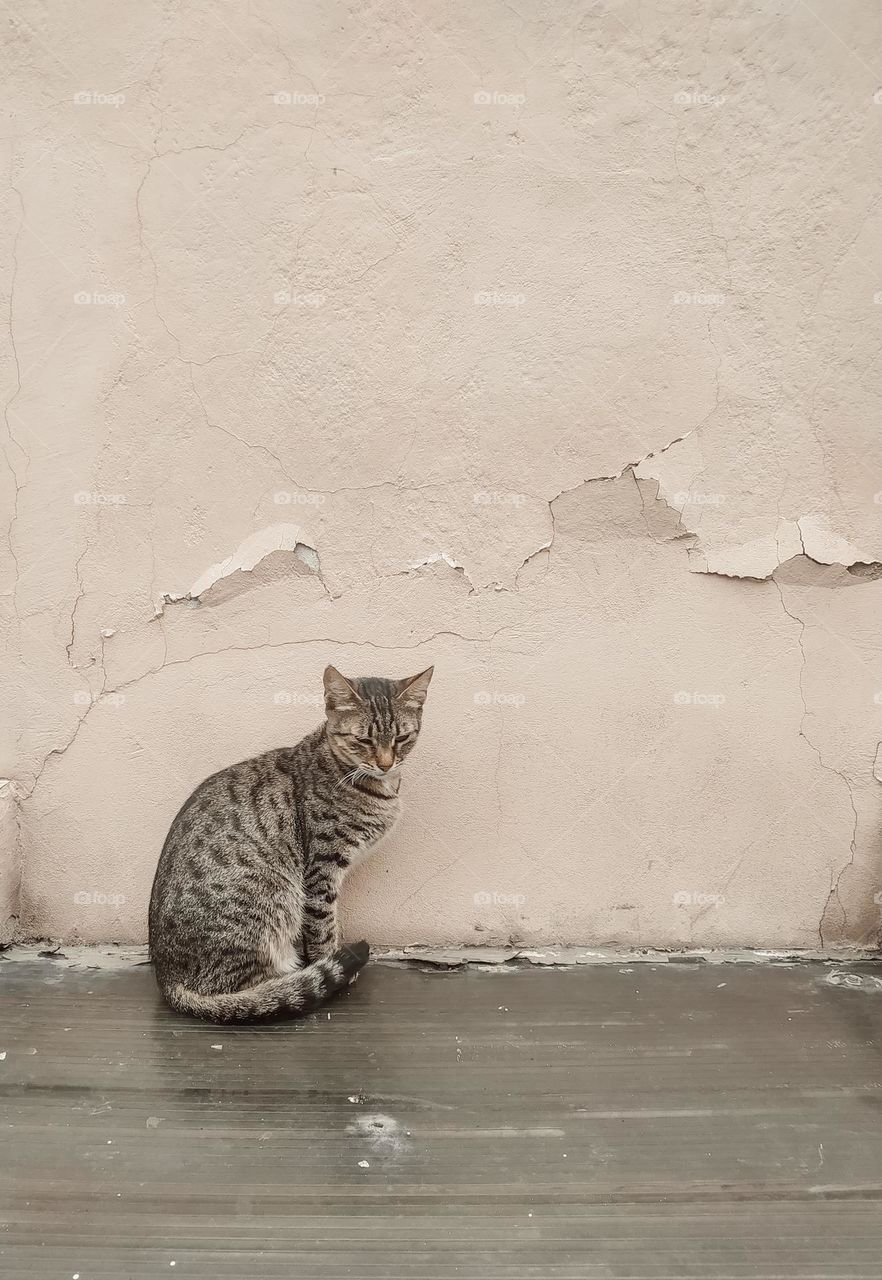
[488, 959]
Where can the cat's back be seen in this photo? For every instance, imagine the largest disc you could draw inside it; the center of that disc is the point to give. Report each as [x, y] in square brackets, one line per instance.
[240, 816]
[239, 793]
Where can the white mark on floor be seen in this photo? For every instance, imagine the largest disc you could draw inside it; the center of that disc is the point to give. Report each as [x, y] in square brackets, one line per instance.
[3, 1055]
[363, 1164]
[857, 981]
[153, 1122]
[383, 1132]
[217, 1046]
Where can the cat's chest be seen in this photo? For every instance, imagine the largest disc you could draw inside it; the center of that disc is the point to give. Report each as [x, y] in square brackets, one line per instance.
[359, 833]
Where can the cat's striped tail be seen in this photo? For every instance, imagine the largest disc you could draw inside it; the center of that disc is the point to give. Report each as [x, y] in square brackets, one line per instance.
[292, 993]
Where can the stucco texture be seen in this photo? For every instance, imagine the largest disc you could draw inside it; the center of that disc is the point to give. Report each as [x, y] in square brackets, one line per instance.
[541, 343]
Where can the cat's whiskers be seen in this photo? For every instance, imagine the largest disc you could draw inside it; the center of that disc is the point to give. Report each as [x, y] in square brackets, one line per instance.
[350, 776]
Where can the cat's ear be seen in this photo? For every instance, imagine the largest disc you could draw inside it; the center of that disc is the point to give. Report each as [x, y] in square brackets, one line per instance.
[340, 695]
[412, 691]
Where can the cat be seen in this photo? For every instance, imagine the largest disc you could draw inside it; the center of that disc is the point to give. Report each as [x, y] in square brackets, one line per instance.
[243, 911]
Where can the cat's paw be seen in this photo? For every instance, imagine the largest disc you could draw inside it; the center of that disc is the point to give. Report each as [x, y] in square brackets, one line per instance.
[351, 957]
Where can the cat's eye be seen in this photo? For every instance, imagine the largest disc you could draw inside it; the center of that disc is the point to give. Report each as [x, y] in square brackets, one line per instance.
[366, 742]
[404, 737]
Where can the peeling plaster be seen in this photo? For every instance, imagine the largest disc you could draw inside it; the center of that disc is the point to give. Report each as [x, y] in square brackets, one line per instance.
[435, 558]
[733, 541]
[273, 544]
[821, 544]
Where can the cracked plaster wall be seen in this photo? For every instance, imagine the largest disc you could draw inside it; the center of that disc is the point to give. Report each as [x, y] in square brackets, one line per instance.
[542, 345]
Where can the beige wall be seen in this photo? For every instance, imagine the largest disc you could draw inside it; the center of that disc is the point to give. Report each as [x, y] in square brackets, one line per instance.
[540, 345]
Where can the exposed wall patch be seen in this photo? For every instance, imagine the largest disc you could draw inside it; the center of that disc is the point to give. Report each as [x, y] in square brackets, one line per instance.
[264, 557]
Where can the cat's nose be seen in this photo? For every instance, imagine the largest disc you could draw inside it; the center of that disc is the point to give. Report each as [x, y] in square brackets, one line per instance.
[385, 758]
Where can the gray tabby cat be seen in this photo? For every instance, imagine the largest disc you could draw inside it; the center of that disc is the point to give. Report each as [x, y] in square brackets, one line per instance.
[243, 913]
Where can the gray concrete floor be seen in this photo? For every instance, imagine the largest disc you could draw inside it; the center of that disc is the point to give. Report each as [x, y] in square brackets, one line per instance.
[626, 1121]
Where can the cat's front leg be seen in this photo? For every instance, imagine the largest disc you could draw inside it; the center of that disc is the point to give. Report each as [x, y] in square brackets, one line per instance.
[321, 930]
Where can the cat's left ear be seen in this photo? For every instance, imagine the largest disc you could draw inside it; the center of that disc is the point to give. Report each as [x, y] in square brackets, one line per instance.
[412, 691]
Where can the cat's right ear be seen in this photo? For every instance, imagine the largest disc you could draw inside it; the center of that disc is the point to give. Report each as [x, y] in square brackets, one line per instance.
[340, 695]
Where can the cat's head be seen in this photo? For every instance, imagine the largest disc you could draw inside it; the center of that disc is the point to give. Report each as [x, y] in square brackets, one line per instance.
[373, 723]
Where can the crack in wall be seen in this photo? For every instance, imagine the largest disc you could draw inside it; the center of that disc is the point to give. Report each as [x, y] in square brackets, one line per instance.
[81, 591]
[834, 893]
[255, 648]
[13, 440]
[12, 908]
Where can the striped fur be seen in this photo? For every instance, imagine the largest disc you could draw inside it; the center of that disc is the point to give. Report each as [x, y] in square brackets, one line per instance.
[243, 913]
